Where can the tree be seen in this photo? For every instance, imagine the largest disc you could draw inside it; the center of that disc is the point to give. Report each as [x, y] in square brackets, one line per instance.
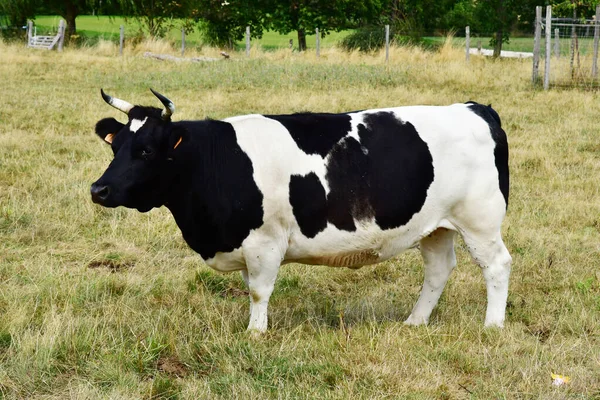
[304, 16]
[416, 17]
[225, 21]
[498, 17]
[68, 9]
[157, 15]
[17, 12]
[585, 9]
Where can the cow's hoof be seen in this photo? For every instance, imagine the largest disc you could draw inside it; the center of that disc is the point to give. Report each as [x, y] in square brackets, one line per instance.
[255, 332]
[415, 321]
[494, 324]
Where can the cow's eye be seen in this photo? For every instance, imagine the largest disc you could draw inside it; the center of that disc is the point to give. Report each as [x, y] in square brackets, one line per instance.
[146, 153]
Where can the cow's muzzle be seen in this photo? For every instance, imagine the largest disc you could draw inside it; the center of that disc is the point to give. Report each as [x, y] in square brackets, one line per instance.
[100, 193]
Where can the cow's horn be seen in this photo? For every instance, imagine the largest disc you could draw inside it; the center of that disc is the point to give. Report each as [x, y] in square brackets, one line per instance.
[119, 104]
[169, 106]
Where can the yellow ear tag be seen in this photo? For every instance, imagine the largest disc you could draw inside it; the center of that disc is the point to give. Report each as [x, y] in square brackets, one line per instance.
[109, 138]
[178, 142]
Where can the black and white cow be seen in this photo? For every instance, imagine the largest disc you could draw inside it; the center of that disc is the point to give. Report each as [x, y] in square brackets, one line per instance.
[345, 190]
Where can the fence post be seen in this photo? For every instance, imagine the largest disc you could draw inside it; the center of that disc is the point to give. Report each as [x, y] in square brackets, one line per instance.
[61, 32]
[387, 43]
[318, 43]
[548, 47]
[556, 43]
[121, 39]
[182, 41]
[479, 46]
[573, 39]
[29, 31]
[468, 41]
[536, 43]
[596, 39]
[247, 41]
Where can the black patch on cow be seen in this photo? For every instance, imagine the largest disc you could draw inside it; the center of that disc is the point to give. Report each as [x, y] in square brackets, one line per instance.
[489, 115]
[349, 176]
[386, 176]
[215, 200]
[401, 168]
[315, 133]
[307, 197]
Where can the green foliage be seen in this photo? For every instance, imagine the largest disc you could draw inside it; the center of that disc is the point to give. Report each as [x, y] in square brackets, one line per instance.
[224, 22]
[419, 15]
[366, 39]
[16, 12]
[461, 14]
[403, 32]
[159, 16]
[304, 16]
[584, 9]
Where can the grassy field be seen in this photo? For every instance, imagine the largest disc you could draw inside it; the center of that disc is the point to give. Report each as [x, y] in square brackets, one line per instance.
[111, 303]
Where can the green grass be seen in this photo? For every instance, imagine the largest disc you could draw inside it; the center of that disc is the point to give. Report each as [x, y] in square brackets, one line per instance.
[111, 303]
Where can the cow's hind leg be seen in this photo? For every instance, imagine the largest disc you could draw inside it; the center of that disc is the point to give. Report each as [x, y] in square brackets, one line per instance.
[437, 250]
[489, 251]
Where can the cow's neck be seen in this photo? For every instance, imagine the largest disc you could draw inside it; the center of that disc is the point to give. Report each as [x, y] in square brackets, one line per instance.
[214, 199]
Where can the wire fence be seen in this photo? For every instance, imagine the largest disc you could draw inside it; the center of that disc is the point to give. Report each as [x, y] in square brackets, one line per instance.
[569, 47]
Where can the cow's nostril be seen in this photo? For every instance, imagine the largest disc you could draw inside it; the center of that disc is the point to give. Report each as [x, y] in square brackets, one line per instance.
[99, 192]
[103, 192]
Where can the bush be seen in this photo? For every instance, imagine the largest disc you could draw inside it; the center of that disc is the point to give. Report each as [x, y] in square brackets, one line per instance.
[373, 38]
[12, 33]
[365, 39]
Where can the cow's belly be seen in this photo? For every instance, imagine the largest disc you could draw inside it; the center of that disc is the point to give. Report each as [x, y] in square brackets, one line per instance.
[369, 244]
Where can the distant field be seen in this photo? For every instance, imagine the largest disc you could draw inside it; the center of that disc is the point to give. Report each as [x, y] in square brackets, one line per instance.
[108, 28]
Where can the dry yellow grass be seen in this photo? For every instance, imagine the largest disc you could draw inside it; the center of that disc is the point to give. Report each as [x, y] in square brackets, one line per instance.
[98, 303]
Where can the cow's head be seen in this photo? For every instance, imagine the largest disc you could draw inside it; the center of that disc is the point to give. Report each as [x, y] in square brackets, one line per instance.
[139, 176]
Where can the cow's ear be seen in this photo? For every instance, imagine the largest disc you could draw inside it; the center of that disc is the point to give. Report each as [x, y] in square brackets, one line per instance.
[177, 140]
[107, 128]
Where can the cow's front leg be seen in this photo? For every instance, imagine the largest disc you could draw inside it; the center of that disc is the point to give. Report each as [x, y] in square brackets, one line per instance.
[262, 269]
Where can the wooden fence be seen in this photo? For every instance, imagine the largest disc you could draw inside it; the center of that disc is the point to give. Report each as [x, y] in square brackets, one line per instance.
[46, 42]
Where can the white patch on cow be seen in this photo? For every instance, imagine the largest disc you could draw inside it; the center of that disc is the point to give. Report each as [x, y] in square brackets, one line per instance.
[136, 124]
[275, 156]
[356, 119]
[227, 262]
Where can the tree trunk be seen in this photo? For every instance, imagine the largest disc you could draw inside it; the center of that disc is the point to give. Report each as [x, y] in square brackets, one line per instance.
[501, 24]
[301, 40]
[71, 13]
[498, 43]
